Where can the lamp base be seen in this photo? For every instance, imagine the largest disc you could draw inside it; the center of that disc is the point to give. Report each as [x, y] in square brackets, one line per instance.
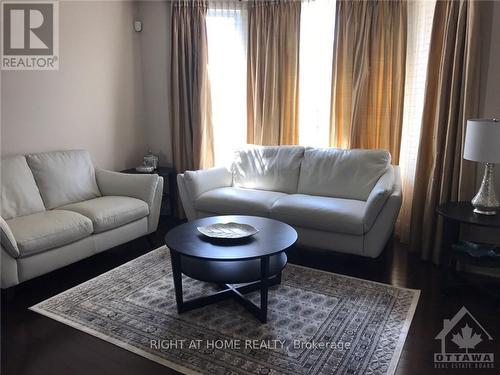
[485, 202]
[480, 212]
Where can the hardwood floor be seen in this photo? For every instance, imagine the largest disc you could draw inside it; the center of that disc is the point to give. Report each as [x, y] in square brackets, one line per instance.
[32, 344]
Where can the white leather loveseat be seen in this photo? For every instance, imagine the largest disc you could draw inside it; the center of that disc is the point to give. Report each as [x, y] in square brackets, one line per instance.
[57, 209]
[340, 200]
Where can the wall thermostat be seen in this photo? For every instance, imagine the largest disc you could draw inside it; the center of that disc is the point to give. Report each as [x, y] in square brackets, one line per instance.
[138, 26]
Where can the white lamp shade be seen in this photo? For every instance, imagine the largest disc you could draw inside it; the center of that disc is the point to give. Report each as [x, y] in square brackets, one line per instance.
[482, 141]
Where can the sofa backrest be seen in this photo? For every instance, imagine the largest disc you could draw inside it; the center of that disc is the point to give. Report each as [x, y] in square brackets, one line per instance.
[339, 173]
[64, 177]
[19, 193]
[273, 168]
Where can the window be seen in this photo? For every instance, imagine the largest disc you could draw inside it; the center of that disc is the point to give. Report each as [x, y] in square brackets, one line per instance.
[317, 25]
[226, 32]
[227, 43]
[420, 16]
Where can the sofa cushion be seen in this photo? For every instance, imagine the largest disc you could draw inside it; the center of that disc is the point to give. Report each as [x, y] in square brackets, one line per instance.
[274, 168]
[323, 213]
[64, 177]
[47, 230]
[233, 200]
[19, 193]
[338, 173]
[110, 211]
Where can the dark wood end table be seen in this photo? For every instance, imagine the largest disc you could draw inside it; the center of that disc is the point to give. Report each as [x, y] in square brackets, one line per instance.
[454, 214]
[254, 263]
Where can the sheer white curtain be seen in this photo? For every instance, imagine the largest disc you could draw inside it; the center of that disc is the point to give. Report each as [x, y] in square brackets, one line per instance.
[420, 16]
[227, 60]
[317, 25]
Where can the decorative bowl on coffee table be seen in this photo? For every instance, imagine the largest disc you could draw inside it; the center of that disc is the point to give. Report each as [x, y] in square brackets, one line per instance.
[229, 230]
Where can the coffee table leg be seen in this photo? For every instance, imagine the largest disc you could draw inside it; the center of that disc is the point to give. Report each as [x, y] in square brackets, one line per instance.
[229, 291]
[177, 274]
[264, 279]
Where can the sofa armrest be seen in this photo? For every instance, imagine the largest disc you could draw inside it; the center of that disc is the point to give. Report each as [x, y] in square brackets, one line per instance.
[7, 240]
[203, 180]
[187, 202]
[382, 190]
[192, 184]
[140, 186]
[146, 187]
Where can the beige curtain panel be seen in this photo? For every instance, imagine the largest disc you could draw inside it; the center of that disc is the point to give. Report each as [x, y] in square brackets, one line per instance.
[368, 75]
[273, 72]
[191, 113]
[452, 92]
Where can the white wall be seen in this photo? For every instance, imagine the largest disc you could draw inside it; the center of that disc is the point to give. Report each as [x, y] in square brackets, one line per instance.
[93, 102]
[155, 54]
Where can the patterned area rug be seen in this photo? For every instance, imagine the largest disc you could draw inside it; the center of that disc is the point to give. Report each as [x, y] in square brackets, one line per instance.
[319, 322]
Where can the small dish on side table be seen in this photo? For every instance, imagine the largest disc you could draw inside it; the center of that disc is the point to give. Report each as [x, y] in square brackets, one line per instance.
[144, 169]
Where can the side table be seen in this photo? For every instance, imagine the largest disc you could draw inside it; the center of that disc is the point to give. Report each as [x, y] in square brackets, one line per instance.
[168, 197]
[454, 214]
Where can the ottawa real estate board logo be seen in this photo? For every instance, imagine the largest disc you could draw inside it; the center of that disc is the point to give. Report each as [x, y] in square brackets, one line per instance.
[30, 35]
[465, 344]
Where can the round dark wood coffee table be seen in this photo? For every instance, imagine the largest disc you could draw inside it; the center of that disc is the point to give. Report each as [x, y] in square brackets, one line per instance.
[255, 262]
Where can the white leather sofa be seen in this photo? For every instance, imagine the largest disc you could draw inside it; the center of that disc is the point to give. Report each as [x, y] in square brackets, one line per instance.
[56, 209]
[340, 200]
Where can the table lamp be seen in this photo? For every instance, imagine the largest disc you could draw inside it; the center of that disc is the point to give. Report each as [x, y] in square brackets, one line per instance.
[482, 144]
